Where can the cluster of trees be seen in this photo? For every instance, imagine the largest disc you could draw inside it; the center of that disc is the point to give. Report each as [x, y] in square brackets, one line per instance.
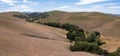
[89, 42]
[66, 26]
[20, 15]
[31, 17]
[81, 39]
[77, 34]
[27, 18]
[88, 47]
[94, 37]
[58, 25]
[37, 15]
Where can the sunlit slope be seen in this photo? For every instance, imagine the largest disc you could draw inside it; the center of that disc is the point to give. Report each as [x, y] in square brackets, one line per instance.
[20, 38]
[107, 24]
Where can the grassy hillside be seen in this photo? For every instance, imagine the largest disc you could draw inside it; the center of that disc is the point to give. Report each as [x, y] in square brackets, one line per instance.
[21, 38]
[107, 24]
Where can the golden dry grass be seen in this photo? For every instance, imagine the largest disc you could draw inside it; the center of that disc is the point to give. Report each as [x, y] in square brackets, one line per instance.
[107, 25]
[20, 38]
[112, 43]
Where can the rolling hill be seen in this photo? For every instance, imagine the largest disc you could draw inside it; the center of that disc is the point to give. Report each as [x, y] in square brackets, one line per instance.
[21, 38]
[106, 24]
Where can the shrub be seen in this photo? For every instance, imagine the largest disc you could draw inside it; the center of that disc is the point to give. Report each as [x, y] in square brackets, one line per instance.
[75, 36]
[53, 24]
[88, 47]
[94, 37]
[97, 33]
[70, 36]
[116, 53]
[69, 27]
[79, 46]
[82, 43]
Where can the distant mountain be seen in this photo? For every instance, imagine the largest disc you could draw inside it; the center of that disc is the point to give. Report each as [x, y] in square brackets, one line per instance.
[27, 12]
[116, 14]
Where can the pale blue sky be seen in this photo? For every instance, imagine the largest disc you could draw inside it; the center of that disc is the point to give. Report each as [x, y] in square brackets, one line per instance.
[106, 6]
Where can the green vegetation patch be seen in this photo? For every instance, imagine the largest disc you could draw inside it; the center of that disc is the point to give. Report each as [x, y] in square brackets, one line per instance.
[82, 40]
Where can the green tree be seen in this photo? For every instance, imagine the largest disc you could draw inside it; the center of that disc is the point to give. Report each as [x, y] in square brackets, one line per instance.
[94, 37]
[88, 47]
[75, 36]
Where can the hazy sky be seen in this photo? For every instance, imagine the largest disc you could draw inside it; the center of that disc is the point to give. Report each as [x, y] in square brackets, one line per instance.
[106, 6]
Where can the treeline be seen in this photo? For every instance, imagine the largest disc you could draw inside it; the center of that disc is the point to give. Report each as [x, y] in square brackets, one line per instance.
[77, 34]
[23, 16]
[88, 47]
[37, 15]
[31, 17]
[82, 40]
[20, 15]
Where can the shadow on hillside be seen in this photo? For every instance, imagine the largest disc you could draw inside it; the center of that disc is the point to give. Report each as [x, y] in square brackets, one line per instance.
[36, 36]
[31, 35]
